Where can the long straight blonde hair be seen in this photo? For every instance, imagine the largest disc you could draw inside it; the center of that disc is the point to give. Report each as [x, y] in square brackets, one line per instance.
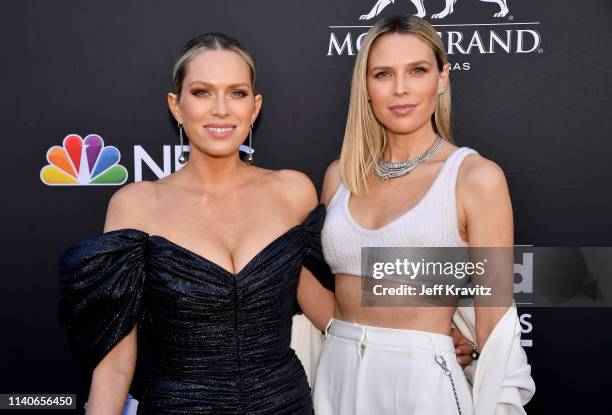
[364, 136]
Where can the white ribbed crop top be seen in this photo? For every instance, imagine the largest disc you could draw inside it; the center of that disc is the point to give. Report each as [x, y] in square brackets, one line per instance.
[431, 223]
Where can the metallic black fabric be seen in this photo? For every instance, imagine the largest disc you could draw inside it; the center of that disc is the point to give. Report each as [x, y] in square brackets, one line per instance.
[221, 340]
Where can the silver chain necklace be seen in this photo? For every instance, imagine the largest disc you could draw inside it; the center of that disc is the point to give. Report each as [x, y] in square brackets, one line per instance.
[387, 170]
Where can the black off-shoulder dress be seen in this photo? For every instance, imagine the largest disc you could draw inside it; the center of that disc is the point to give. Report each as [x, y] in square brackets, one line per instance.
[221, 340]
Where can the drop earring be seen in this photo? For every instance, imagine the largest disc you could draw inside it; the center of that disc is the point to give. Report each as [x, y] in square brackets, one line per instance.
[250, 156]
[182, 159]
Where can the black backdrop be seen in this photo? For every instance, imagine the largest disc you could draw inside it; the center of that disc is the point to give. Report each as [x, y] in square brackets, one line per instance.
[93, 67]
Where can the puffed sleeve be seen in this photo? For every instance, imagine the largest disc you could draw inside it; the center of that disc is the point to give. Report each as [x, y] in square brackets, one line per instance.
[101, 289]
[313, 252]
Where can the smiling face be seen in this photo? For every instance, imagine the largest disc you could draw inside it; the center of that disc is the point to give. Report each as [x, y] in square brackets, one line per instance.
[217, 104]
[403, 81]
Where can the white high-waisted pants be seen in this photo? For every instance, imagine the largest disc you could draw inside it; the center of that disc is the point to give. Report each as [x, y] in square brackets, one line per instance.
[365, 370]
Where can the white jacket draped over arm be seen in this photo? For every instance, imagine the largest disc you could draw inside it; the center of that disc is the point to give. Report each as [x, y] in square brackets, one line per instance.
[501, 377]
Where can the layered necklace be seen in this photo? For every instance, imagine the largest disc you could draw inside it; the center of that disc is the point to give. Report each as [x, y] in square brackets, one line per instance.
[387, 170]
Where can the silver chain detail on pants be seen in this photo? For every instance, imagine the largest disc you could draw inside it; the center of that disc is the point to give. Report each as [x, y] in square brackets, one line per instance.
[442, 362]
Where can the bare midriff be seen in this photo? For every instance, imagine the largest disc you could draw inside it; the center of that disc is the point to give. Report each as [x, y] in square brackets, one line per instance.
[349, 309]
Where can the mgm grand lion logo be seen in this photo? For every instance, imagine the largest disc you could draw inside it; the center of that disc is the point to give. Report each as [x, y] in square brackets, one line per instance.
[419, 4]
[498, 35]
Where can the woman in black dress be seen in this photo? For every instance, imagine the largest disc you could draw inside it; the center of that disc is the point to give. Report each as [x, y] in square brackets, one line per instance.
[213, 260]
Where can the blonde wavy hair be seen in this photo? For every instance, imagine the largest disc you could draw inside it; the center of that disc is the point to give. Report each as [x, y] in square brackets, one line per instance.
[364, 137]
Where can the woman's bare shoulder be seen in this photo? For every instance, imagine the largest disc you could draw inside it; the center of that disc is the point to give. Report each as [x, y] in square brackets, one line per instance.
[331, 182]
[297, 186]
[130, 206]
[479, 174]
[482, 187]
[293, 190]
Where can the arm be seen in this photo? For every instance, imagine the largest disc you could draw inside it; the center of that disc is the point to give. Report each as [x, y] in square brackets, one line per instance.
[484, 203]
[501, 380]
[112, 377]
[314, 299]
[316, 302]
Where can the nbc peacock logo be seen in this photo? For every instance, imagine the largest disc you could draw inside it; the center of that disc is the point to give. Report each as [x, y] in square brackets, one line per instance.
[83, 162]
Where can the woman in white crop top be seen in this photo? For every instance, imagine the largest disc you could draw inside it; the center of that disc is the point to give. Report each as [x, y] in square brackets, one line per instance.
[392, 360]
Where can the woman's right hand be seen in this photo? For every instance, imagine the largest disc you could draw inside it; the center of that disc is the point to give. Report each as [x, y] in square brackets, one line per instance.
[112, 378]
